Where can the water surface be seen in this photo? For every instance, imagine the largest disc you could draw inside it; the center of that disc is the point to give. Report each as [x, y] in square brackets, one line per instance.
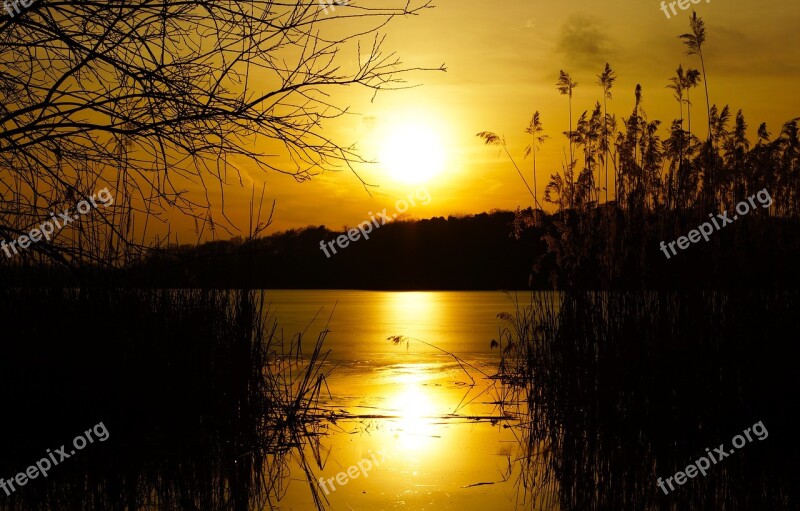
[434, 419]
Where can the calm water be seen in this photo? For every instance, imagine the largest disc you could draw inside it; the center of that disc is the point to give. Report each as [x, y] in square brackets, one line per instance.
[624, 388]
[443, 440]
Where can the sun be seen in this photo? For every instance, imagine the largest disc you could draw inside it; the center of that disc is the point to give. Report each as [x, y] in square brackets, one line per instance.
[416, 424]
[412, 153]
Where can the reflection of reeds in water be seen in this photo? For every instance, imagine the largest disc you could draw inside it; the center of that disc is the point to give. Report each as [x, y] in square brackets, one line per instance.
[204, 401]
[623, 388]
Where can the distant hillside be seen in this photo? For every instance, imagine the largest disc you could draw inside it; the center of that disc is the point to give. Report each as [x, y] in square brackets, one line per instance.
[604, 247]
[473, 252]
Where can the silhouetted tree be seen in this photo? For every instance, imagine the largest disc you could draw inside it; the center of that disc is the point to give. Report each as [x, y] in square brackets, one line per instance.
[154, 96]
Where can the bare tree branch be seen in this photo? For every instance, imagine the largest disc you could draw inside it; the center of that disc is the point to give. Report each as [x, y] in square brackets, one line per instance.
[155, 97]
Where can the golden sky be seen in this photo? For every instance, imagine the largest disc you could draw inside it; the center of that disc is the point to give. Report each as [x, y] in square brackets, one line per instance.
[502, 61]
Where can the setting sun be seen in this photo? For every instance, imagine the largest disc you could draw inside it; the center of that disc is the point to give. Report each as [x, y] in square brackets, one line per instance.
[412, 153]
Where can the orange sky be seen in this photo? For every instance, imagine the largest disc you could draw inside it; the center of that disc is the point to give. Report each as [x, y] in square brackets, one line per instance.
[502, 61]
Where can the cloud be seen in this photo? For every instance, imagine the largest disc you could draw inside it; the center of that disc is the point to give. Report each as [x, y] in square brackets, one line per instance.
[734, 51]
[584, 42]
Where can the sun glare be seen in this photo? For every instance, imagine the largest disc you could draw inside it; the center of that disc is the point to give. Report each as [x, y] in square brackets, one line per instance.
[412, 153]
[416, 425]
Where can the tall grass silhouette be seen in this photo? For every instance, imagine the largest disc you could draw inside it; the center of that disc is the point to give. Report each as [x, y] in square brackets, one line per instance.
[624, 387]
[206, 401]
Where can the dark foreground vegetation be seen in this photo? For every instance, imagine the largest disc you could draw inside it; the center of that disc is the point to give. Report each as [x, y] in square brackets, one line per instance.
[675, 355]
[625, 387]
[203, 400]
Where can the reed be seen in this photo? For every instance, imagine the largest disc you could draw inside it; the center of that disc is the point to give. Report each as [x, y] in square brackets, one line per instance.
[624, 387]
[205, 400]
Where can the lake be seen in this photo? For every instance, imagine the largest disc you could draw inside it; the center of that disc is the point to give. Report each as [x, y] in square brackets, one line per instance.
[443, 439]
[615, 396]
